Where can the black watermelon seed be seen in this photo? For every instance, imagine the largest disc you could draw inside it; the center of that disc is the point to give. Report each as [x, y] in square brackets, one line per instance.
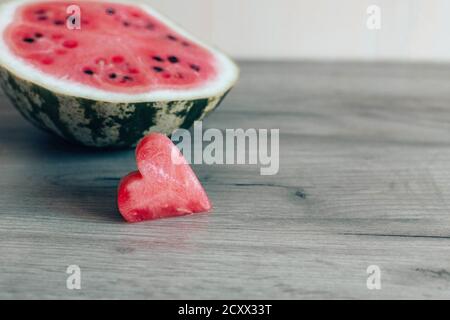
[42, 18]
[127, 78]
[29, 40]
[173, 59]
[58, 22]
[113, 76]
[126, 23]
[89, 72]
[110, 11]
[195, 67]
[185, 43]
[158, 69]
[158, 58]
[171, 37]
[38, 35]
[40, 11]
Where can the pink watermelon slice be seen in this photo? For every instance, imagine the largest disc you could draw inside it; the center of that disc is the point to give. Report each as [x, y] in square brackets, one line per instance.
[125, 72]
[165, 185]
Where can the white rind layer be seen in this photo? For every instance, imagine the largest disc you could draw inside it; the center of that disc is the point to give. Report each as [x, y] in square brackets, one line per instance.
[227, 71]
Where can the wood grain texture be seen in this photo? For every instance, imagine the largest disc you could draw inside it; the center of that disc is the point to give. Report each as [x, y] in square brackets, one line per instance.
[364, 179]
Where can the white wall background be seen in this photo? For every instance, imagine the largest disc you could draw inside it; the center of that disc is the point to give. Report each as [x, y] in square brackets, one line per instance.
[317, 29]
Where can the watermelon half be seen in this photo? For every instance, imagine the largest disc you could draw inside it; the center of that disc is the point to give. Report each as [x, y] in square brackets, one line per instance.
[128, 71]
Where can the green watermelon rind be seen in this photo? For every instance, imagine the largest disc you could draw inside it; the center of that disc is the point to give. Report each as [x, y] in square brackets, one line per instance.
[97, 123]
[96, 119]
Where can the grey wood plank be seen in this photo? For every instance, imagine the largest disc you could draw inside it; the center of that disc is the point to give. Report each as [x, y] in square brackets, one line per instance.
[364, 179]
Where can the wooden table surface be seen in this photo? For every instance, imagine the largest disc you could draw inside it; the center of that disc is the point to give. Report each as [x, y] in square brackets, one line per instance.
[364, 180]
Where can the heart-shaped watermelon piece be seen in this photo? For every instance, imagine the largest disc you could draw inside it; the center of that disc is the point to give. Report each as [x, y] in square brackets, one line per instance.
[165, 185]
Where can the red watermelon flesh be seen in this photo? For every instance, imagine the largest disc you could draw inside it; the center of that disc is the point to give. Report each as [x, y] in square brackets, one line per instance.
[165, 185]
[119, 48]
